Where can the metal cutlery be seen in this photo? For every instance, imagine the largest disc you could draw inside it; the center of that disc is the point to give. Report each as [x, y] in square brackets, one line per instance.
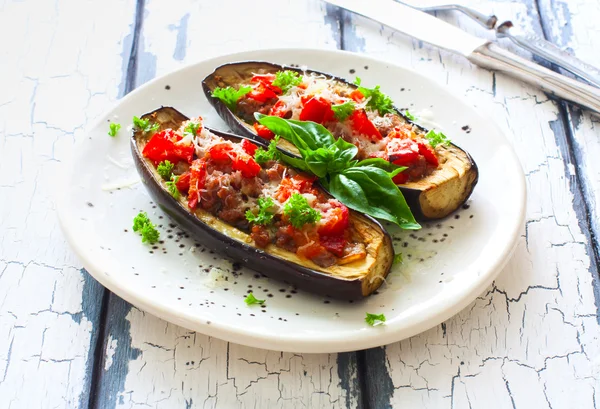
[479, 51]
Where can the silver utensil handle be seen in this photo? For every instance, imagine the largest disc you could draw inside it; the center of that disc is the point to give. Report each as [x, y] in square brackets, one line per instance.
[554, 54]
[485, 20]
[493, 57]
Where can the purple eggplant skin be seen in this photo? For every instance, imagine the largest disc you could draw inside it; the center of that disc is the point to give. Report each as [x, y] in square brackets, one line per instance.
[255, 258]
[431, 198]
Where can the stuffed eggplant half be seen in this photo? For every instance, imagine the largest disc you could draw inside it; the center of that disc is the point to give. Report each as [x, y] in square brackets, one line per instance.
[237, 198]
[439, 177]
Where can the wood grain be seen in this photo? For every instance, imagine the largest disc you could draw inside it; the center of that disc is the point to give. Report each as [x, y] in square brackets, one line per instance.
[529, 340]
[59, 71]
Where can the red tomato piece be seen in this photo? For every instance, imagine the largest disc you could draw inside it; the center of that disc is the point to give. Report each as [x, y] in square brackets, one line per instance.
[159, 148]
[379, 154]
[363, 125]
[401, 178]
[297, 184]
[221, 152]
[356, 95]
[335, 244]
[183, 183]
[263, 131]
[336, 220]
[279, 109]
[197, 180]
[429, 154]
[247, 165]
[317, 110]
[402, 152]
[263, 78]
[249, 147]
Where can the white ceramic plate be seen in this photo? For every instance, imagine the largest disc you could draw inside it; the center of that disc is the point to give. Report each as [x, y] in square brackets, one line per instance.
[447, 264]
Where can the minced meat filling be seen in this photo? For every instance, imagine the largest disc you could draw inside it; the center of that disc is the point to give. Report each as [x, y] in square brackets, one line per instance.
[274, 204]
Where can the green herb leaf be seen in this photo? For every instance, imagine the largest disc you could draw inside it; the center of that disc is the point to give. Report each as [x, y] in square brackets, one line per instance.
[262, 156]
[397, 258]
[377, 99]
[263, 216]
[409, 115]
[251, 300]
[192, 127]
[437, 138]
[172, 187]
[144, 125]
[165, 169]
[303, 134]
[142, 224]
[231, 96]
[379, 163]
[371, 190]
[286, 80]
[343, 111]
[374, 319]
[300, 212]
[114, 128]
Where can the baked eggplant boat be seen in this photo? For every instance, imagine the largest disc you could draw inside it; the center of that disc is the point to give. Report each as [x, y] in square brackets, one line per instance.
[237, 198]
[440, 176]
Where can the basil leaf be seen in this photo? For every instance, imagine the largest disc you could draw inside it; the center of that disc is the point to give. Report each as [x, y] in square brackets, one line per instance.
[379, 163]
[371, 190]
[295, 162]
[303, 134]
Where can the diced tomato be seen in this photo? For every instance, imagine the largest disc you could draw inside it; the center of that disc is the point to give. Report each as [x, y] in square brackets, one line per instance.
[428, 153]
[247, 165]
[160, 148]
[336, 220]
[262, 93]
[297, 184]
[356, 95]
[305, 98]
[401, 178]
[221, 152]
[264, 78]
[183, 182]
[334, 244]
[363, 125]
[197, 180]
[280, 109]
[249, 147]
[317, 110]
[263, 131]
[402, 152]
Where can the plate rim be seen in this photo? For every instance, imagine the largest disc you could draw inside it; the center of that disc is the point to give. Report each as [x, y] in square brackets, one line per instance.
[308, 343]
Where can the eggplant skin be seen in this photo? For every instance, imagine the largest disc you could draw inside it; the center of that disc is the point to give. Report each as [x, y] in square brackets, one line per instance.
[433, 197]
[351, 281]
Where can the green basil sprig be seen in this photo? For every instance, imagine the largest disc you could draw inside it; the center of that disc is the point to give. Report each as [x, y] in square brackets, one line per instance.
[365, 186]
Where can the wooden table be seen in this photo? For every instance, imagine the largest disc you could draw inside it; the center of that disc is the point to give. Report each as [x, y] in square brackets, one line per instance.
[532, 340]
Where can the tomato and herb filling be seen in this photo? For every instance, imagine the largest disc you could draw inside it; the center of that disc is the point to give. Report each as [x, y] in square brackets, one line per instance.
[362, 116]
[247, 187]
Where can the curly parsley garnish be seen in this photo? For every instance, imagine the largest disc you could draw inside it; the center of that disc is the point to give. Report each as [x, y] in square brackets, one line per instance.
[409, 115]
[165, 169]
[144, 125]
[142, 224]
[114, 128]
[378, 100]
[172, 187]
[251, 300]
[343, 111]
[300, 212]
[437, 138]
[192, 127]
[397, 258]
[230, 96]
[263, 216]
[263, 156]
[375, 319]
[286, 80]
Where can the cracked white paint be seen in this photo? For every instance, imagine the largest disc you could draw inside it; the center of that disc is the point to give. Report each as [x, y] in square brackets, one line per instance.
[111, 348]
[531, 341]
[61, 65]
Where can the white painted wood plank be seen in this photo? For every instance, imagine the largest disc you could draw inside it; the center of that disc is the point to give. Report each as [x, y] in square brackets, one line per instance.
[162, 365]
[61, 64]
[531, 340]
